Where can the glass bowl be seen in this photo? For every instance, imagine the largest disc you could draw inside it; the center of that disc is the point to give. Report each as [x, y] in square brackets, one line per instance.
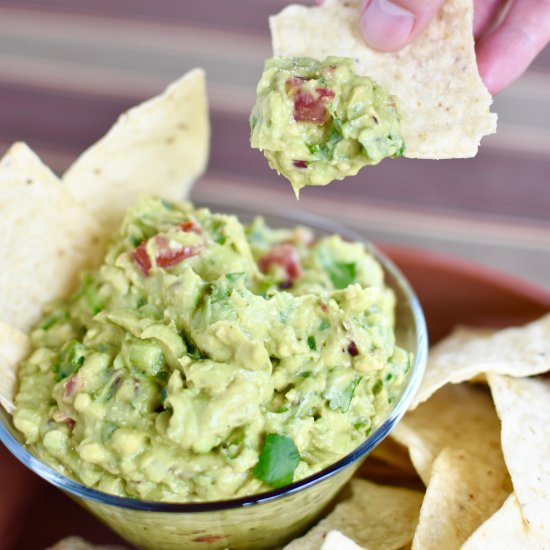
[263, 520]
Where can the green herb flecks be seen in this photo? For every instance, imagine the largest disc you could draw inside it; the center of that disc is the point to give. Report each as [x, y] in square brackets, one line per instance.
[342, 399]
[53, 319]
[341, 274]
[232, 277]
[71, 359]
[278, 460]
[89, 293]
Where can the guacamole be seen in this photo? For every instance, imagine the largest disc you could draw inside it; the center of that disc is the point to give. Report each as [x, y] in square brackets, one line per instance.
[317, 121]
[207, 360]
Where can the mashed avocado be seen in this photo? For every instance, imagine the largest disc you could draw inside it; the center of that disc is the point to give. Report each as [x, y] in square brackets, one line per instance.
[207, 360]
[317, 121]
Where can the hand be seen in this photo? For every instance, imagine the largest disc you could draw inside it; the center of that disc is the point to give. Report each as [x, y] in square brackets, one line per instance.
[505, 45]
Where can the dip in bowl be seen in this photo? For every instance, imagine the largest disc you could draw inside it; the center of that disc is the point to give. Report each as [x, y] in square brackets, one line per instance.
[210, 378]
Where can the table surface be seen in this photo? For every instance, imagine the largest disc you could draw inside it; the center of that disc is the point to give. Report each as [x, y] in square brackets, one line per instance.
[69, 67]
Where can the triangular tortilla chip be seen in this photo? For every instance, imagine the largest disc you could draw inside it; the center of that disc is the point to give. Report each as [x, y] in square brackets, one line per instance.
[47, 239]
[505, 530]
[14, 346]
[463, 492]
[158, 147]
[444, 104]
[523, 405]
[375, 516]
[523, 351]
[338, 541]
[459, 417]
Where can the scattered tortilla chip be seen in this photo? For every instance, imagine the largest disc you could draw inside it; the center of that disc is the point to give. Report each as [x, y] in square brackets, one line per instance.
[393, 453]
[76, 543]
[463, 492]
[504, 530]
[444, 103]
[47, 238]
[458, 417]
[389, 464]
[523, 405]
[523, 351]
[338, 541]
[375, 517]
[14, 346]
[160, 146]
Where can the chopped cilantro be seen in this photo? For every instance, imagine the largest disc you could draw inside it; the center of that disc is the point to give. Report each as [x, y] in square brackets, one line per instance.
[71, 359]
[341, 274]
[54, 319]
[90, 295]
[324, 325]
[278, 460]
[232, 277]
[342, 399]
[312, 343]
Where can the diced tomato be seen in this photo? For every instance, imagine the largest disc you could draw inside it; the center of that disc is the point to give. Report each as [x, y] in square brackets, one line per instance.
[191, 226]
[169, 257]
[325, 92]
[308, 107]
[140, 256]
[165, 257]
[286, 256]
[293, 85]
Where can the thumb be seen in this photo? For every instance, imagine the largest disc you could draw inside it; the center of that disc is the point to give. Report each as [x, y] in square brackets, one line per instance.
[391, 24]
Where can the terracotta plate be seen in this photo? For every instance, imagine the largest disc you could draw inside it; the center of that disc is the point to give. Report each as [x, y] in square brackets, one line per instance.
[34, 515]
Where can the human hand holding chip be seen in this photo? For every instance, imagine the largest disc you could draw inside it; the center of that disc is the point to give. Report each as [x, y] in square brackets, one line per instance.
[505, 47]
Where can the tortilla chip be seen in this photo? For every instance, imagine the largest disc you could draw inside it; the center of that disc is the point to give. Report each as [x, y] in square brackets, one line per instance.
[76, 543]
[392, 453]
[375, 516]
[14, 346]
[505, 530]
[523, 351]
[48, 238]
[463, 492]
[444, 103]
[160, 147]
[523, 406]
[457, 417]
[338, 541]
[389, 464]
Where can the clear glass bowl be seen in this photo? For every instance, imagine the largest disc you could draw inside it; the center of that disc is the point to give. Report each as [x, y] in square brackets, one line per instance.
[259, 521]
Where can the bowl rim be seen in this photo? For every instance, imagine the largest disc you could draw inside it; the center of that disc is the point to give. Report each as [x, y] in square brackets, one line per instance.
[77, 489]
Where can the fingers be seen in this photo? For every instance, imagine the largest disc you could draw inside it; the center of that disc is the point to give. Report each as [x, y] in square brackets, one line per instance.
[485, 12]
[506, 51]
[390, 25]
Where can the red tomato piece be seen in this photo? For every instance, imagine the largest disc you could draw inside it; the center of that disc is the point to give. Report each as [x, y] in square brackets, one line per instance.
[286, 256]
[191, 226]
[168, 257]
[140, 256]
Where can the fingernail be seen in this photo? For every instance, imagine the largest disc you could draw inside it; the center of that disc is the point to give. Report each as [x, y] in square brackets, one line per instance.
[385, 25]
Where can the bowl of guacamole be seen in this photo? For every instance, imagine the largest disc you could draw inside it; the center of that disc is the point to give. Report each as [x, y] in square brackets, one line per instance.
[217, 379]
